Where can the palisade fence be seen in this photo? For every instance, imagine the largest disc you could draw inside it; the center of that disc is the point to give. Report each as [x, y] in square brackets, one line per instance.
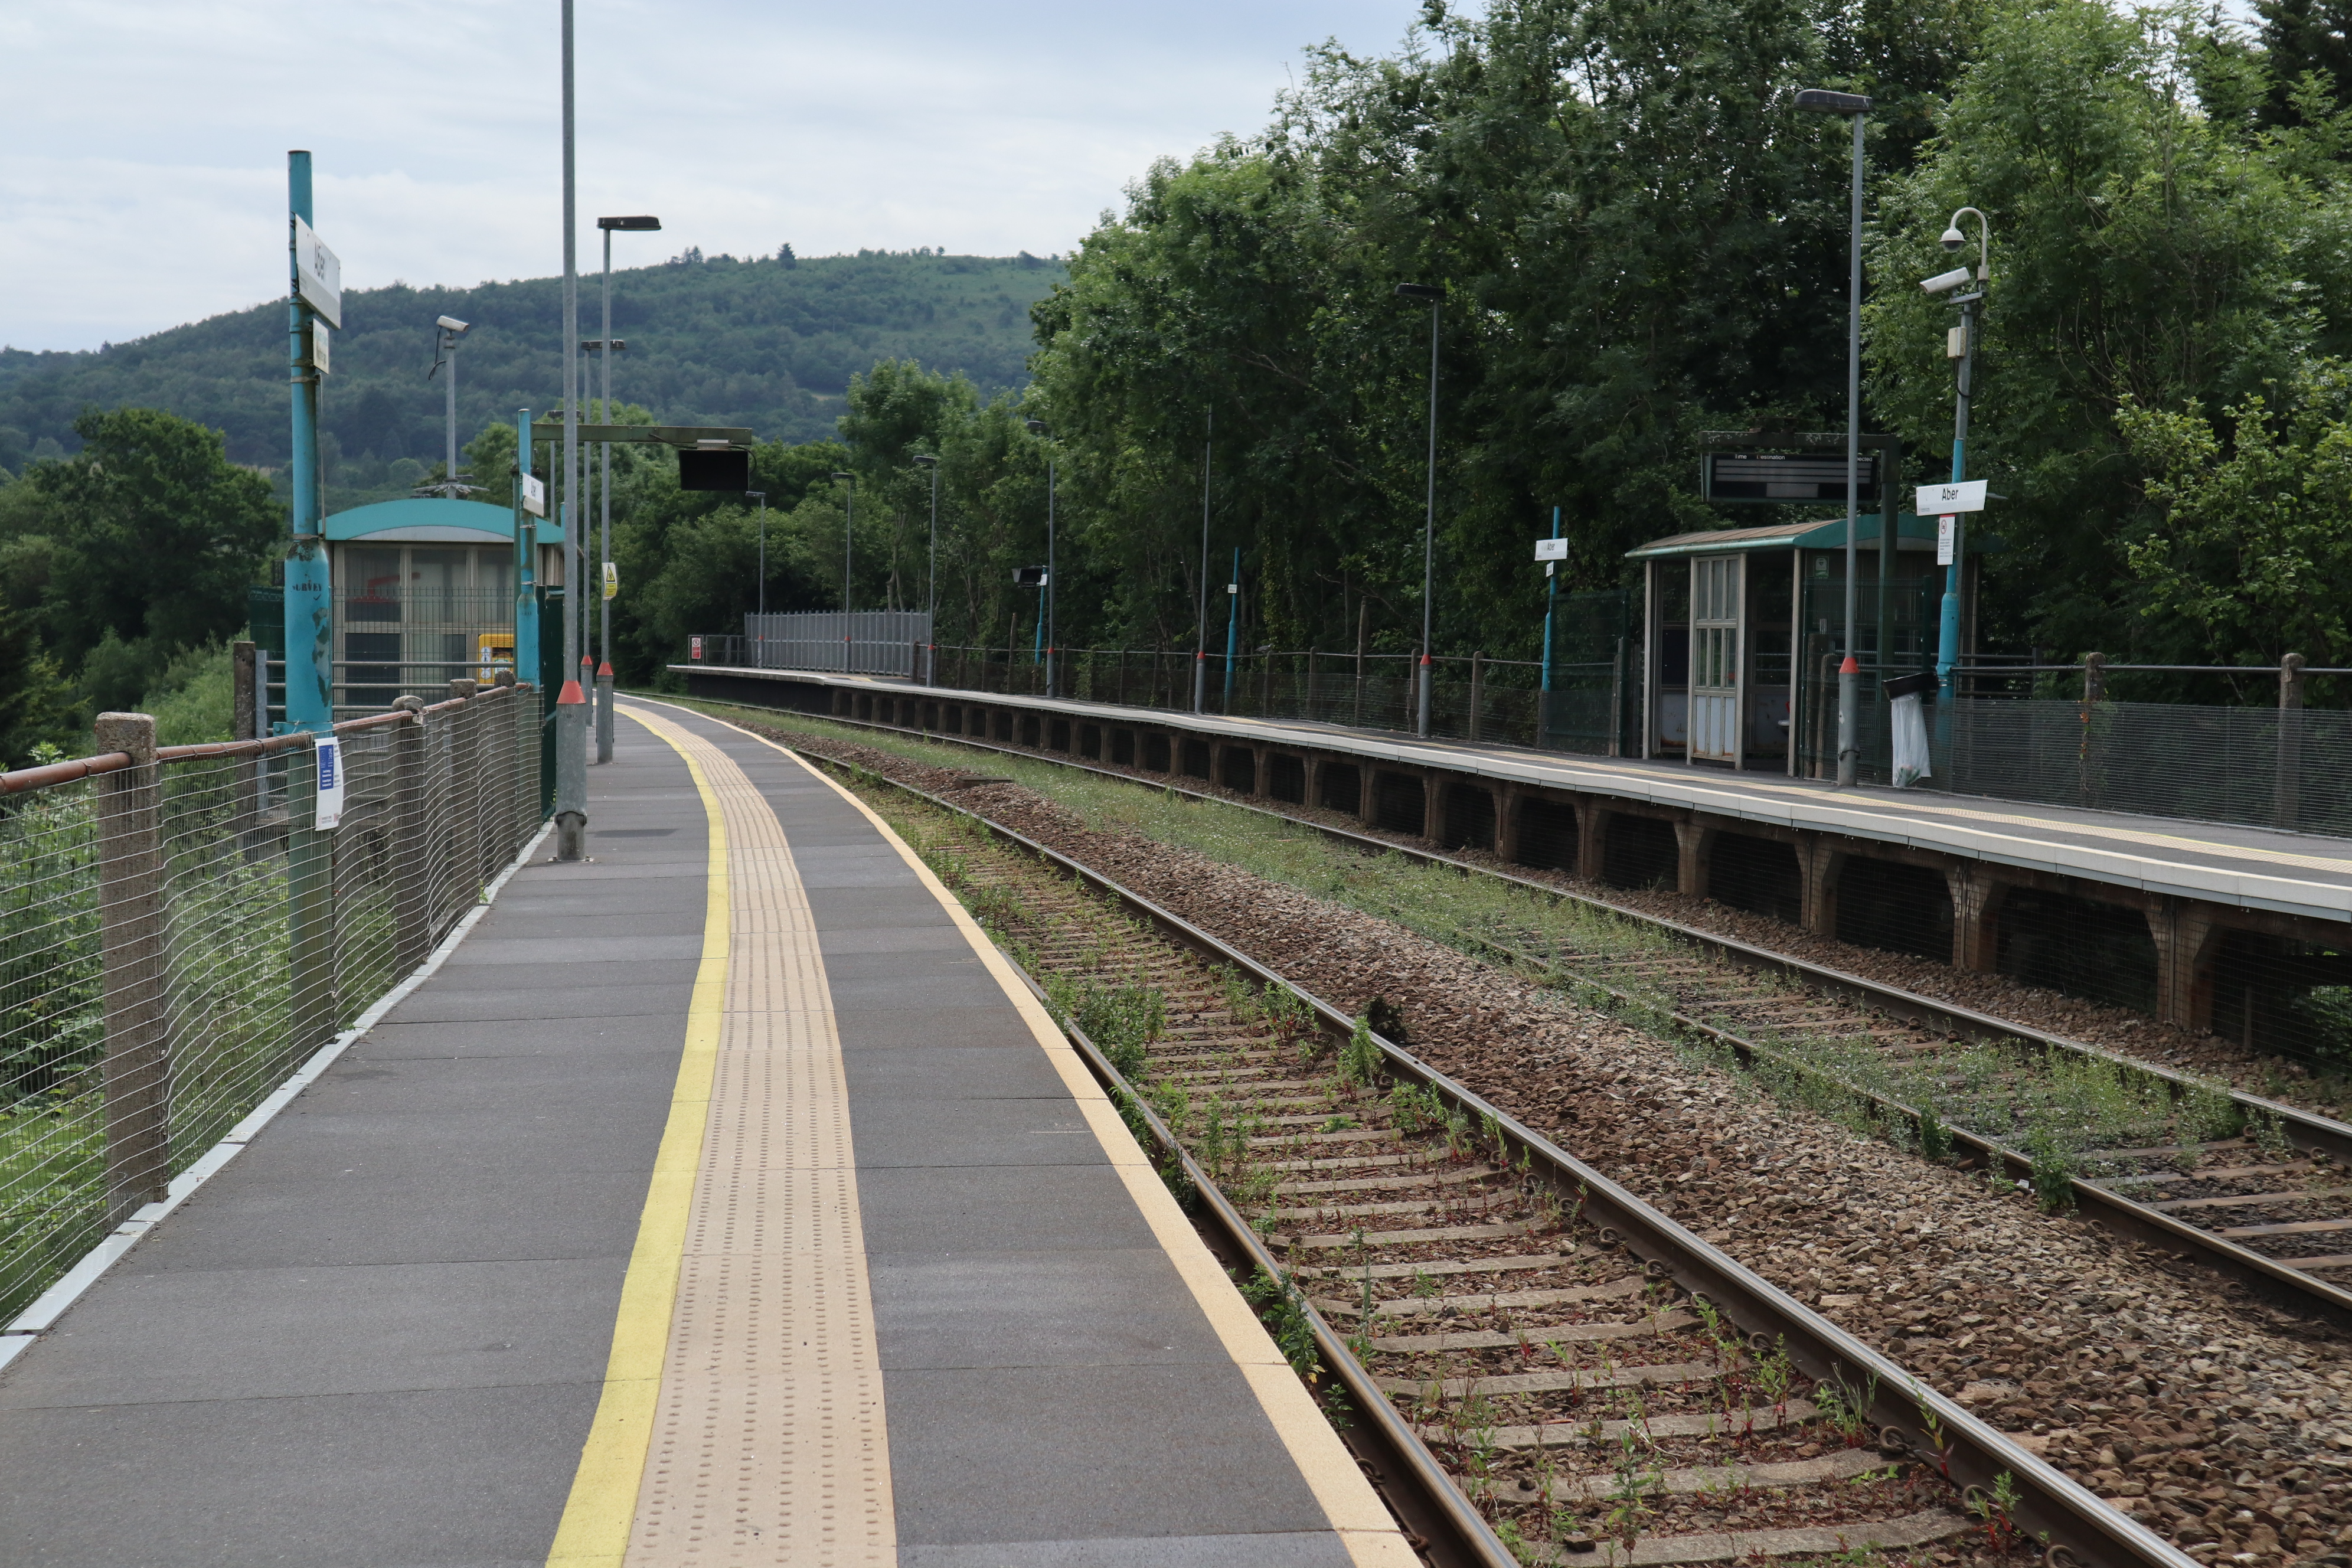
[177, 936]
[863, 642]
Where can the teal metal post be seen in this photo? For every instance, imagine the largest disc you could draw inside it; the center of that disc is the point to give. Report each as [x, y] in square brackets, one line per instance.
[1947, 634]
[309, 602]
[526, 565]
[1233, 627]
[1552, 602]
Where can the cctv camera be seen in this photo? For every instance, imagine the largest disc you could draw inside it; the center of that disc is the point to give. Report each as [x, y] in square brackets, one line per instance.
[1954, 238]
[450, 323]
[1945, 282]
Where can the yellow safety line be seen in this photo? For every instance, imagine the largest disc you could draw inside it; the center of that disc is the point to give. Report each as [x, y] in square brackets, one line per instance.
[603, 1502]
[1355, 1512]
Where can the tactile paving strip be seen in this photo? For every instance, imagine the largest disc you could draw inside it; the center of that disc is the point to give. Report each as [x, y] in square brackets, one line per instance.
[768, 1445]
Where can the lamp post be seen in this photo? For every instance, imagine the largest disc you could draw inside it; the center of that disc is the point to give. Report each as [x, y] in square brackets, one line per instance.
[1854, 106]
[447, 330]
[1037, 427]
[1435, 295]
[570, 706]
[848, 533]
[931, 595]
[760, 644]
[1947, 633]
[637, 224]
[1201, 648]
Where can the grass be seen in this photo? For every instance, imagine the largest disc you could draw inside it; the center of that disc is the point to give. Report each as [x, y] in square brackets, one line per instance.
[2055, 1108]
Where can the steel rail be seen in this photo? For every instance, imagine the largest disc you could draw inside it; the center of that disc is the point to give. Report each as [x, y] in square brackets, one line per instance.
[2076, 1525]
[2275, 1279]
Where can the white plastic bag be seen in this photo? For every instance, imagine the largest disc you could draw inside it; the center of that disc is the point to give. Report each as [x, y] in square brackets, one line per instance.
[1910, 726]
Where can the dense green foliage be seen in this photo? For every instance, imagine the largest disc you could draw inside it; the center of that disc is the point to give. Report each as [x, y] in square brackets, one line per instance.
[1641, 238]
[765, 342]
[118, 562]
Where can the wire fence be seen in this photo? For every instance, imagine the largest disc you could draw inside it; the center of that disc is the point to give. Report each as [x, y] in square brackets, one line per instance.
[179, 932]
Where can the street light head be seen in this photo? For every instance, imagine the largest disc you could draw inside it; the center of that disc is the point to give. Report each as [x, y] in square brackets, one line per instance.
[1822, 100]
[851, 477]
[1419, 291]
[450, 325]
[1036, 427]
[643, 223]
[925, 461]
[1954, 238]
[1945, 282]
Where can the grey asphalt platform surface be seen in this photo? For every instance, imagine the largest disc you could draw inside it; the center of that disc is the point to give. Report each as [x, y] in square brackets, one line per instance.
[377, 1337]
[1054, 1395]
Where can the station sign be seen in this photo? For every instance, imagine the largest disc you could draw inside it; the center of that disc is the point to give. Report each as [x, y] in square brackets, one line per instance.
[1551, 549]
[534, 495]
[317, 275]
[1966, 495]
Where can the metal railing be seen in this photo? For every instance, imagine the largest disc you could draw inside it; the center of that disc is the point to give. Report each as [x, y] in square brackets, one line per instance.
[178, 934]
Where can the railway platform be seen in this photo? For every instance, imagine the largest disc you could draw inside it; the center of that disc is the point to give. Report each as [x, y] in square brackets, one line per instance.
[726, 1198]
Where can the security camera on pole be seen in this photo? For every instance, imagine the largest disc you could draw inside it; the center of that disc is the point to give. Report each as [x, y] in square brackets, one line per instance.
[1950, 504]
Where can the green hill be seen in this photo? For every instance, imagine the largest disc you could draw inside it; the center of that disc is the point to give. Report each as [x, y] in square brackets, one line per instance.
[769, 343]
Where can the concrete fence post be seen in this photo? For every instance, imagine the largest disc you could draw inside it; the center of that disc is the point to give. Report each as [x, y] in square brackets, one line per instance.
[244, 726]
[412, 837]
[2286, 804]
[2095, 691]
[136, 1073]
[309, 910]
[465, 788]
[1477, 690]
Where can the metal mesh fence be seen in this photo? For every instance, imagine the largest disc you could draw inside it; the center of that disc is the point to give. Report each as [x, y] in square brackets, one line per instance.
[177, 936]
[2265, 767]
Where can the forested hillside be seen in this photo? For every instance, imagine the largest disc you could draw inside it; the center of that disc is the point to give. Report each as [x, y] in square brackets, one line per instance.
[768, 343]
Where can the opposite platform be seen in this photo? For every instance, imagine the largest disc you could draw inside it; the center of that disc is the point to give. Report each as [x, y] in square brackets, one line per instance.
[725, 1199]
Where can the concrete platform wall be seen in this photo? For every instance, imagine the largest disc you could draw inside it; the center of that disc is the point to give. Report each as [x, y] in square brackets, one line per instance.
[1908, 896]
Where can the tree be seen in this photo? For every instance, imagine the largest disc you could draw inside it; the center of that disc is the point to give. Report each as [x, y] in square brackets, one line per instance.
[156, 537]
[2146, 256]
[2254, 552]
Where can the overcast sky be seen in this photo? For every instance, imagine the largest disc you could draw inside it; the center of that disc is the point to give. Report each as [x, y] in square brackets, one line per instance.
[142, 142]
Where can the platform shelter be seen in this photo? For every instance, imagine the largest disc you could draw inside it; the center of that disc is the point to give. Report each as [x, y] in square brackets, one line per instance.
[424, 593]
[1744, 629]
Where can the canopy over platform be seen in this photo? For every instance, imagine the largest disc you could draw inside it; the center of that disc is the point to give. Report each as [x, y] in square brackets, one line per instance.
[433, 520]
[1912, 532]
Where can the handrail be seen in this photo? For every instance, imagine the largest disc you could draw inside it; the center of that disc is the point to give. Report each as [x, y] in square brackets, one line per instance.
[48, 774]
[42, 776]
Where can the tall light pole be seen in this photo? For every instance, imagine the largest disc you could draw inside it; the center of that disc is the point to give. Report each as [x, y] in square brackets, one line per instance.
[637, 224]
[572, 707]
[1947, 634]
[1854, 106]
[1201, 647]
[848, 544]
[931, 624]
[1038, 428]
[447, 330]
[1435, 295]
[760, 645]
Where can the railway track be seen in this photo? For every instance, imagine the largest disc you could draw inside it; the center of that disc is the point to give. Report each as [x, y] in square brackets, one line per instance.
[1534, 1365]
[2251, 1186]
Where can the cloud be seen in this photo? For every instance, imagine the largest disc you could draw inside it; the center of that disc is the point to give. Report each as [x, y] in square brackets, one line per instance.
[145, 181]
